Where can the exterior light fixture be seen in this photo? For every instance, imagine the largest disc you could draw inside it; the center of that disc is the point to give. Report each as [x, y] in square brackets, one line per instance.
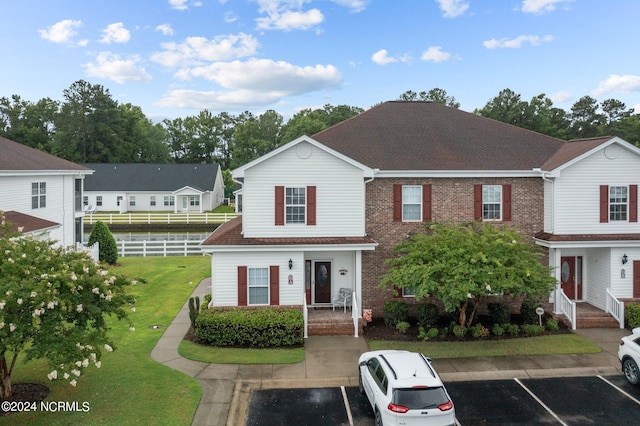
[625, 259]
[290, 264]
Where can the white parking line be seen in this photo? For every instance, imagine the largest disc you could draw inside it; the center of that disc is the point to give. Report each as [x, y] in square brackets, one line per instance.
[540, 402]
[346, 405]
[631, 397]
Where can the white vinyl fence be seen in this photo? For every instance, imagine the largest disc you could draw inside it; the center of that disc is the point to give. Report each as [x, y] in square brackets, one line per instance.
[158, 248]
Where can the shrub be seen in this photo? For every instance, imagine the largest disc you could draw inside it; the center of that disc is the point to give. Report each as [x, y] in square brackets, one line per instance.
[402, 327]
[432, 333]
[552, 324]
[207, 300]
[395, 311]
[194, 310]
[444, 332]
[459, 331]
[427, 314]
[107, 247]
[532, 329]
[478, 330]
[528, 311]
[497, 330]
[500, 313]
[632, 312]
[511, 329]
[263, 327]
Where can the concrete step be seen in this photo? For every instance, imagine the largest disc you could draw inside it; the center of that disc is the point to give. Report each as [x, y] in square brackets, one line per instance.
[333, 328]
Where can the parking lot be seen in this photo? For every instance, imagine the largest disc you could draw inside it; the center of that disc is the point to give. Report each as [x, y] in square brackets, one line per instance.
[554, 401]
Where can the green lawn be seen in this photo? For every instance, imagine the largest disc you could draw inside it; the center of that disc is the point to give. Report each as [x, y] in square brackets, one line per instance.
[130, 388]
[551, 345]
[204, 353]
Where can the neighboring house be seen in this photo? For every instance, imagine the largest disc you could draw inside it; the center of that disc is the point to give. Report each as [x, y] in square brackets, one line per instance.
[324, 213]
[40, 193]
[131, 187]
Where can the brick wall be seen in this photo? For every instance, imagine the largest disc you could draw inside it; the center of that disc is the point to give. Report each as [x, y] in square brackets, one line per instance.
[452, 201]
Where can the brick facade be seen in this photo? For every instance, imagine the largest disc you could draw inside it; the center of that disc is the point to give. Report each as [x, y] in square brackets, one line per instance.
[452, 200]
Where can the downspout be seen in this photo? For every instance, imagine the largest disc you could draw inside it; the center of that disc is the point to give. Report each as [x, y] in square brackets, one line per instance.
[555, 295]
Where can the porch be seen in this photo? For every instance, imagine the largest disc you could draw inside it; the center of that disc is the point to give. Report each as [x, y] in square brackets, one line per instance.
[589, 316]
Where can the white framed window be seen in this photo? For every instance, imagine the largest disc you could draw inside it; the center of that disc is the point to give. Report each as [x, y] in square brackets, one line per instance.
[258, 286]
[98, 200]
[618, 199]
[85, 200]
[152, 200]
[132, 200]
[408, 292]
[194, 200]
[295, 205]
[38, 195]
[169, 200]
[491, 202]
[118, 200]
[411, 203]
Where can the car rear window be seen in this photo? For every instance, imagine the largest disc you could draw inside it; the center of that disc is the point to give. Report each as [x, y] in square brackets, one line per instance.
[419, 398]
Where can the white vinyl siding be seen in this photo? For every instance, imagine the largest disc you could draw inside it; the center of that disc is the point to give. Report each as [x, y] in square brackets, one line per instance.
[577, 197]
[340, 192]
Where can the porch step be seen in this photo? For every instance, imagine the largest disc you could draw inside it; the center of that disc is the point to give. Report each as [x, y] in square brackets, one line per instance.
[596, 321]
[332, 325]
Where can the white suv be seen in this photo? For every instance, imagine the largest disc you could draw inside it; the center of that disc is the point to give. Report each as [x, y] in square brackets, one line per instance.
[404, 389]
[629, 356]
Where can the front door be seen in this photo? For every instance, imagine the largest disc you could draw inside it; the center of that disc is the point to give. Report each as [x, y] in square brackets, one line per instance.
[322, 288]
[571, 277]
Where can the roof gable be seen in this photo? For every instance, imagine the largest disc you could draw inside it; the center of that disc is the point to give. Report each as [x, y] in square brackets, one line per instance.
[408, 136]
[150, 177]
[22, 158]
[239, 172]
[578, 149]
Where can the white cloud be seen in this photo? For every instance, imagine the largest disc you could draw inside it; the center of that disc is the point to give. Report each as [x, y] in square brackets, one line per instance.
[381, 57]
[355, 5]
[110, 66]
[435, 54]
[196, 50]
[290, 20]
[268, 76]
[561, 96]
[517, 42]
[538, 7]
[252, 83]
[178, 4]
[165, 29]
[618, 84]
[453, 8]
[115, 33]
[62, 31]
[230, 17]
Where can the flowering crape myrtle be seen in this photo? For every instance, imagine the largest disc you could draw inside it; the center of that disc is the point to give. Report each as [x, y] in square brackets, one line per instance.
[53, 305]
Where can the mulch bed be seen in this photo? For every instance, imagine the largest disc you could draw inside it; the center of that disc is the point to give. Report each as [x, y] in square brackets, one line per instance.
[25, 392]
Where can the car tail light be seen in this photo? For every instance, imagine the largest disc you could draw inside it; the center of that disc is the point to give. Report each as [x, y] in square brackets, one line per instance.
[446, 406]
[621, 342]
[398, 408]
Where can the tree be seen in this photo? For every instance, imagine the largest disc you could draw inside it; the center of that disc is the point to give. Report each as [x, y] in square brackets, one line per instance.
[107, 247]
[585, 118]
[28, 123]
[53, 306]
[436, 95]
[254, 137]
[461, 264]
[507, 107]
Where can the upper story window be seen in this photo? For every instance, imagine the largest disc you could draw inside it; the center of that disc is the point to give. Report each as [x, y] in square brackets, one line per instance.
[295, 205]
[38, 195]
[618, 198]
[411, 203]
[258, 286]
[491, 202]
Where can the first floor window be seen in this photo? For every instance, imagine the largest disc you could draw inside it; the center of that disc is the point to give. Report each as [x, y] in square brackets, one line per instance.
[38, 195]
[411, 203]
[169, 200]
[258, 286]
[408, 292]
[492, 202]
[194, 200]
[295, 205]
[618, 203]
[118, 199]
[98, 200]
[132, 200]
[152, 200]
[85, 200]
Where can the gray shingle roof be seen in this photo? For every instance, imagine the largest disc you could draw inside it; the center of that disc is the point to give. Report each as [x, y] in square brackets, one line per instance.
[401, 135]
[150, 177]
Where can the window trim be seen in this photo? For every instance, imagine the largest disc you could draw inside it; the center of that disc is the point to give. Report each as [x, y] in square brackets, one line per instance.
[169, 200]
[419, 204]
[39, 197]
[288, 217]
[266, 284]
[486, 203]
[616, 216]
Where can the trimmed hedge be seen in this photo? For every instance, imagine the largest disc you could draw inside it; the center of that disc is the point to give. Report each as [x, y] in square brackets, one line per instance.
[632, 312]
[427, 314]
[267, 327]
[395, 311]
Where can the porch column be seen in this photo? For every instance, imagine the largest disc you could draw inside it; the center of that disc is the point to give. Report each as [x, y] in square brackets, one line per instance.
[554, 260]
[358, 281]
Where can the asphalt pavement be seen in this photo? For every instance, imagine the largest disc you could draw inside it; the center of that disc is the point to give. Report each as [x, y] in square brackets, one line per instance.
[331, 361]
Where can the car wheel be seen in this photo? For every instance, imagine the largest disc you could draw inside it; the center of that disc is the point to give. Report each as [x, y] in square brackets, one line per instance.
[378, 418]
[631, 372]
[360, 385]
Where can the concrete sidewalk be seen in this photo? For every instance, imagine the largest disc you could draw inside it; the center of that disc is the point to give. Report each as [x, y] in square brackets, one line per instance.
[332, 360]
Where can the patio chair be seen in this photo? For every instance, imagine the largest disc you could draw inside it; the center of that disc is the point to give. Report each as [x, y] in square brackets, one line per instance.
[342, 299]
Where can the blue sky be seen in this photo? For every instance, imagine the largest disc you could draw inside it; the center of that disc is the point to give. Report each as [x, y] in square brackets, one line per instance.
[174, 58]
